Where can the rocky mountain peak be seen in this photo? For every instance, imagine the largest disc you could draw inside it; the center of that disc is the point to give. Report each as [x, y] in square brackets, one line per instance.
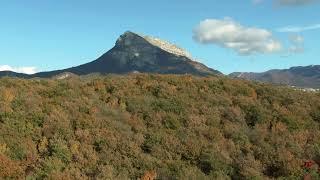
[167, 46]
[131, 39]
[134, 53]
[128, 39]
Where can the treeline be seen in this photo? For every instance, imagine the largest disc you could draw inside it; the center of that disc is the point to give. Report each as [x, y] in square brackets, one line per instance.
[165, 126]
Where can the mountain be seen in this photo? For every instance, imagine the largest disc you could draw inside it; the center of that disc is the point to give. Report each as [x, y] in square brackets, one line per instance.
[306, 77]
[13, 74]
[136, 53]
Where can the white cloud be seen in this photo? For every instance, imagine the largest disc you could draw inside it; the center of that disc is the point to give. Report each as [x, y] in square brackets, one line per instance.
[229, 34]
[299, 28]
[297, 44]
[294, 2]
[297, 39]
[25, 70]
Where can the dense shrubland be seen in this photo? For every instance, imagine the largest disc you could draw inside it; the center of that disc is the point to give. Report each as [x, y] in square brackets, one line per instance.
[179, 127]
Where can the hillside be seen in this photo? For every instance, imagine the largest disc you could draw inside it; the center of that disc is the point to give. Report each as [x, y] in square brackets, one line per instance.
[13, 74]
[135, 53]
[177, 127]
[306, 77]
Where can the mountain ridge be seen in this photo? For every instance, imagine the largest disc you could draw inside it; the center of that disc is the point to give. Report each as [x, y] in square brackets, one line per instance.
[134, 53]
[300, 76]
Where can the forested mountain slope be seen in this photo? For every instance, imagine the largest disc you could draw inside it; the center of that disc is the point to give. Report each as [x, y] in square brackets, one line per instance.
[174, 127]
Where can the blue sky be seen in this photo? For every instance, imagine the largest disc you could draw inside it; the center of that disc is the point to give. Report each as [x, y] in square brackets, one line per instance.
[55, 34]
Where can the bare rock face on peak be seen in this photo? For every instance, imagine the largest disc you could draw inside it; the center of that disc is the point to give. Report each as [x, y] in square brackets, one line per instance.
[135, 53]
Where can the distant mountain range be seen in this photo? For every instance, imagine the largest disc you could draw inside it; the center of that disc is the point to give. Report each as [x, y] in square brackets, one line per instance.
[307, 77]
[13, 74]
[135, 53]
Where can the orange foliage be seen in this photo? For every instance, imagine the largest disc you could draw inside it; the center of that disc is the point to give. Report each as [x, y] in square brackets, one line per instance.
[9, 168]
[149, 175]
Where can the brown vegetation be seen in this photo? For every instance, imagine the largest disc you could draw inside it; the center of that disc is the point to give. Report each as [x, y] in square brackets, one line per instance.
[149, 175]
[182, 127]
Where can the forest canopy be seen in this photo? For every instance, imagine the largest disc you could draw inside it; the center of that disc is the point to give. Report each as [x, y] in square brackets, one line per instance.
[178, 127]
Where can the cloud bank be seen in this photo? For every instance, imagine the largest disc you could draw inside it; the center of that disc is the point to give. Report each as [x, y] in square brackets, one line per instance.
[25, 70]
[229, 34]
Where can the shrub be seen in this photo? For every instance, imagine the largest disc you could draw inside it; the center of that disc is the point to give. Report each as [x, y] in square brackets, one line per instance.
[171, 122]
[151, 141]
[254, 115]
[315, 114]
[59, 149]
[168, 105]
[10, 169]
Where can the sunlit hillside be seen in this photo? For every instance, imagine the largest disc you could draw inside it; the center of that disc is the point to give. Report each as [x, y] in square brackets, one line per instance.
[163, 126]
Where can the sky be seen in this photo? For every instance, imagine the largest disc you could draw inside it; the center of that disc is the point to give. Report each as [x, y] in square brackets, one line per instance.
[228, 35]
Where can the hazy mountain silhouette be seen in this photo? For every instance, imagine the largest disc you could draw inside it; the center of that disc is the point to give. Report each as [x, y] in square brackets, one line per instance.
[308, 76]
[13, 74]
